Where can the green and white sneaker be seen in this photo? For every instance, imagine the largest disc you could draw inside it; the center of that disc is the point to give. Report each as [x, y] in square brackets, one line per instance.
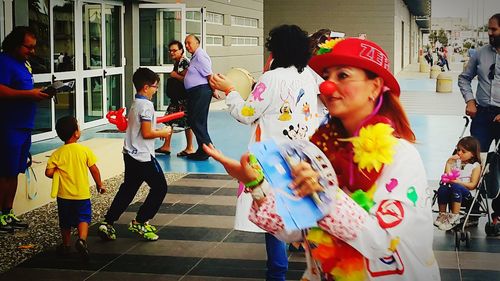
[106, 231]
[14, 221]
[146, 230]
[5, 227]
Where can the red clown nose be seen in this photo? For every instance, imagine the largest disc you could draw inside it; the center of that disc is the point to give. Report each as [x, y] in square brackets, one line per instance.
[327, 88]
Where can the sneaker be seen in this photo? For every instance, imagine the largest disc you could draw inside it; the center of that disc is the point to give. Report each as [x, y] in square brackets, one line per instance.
[450, 222]
[147, 231]
[440, 219]
[83, 250]
[63, 250]
[4, 226]
[15, 222]
[106, 231]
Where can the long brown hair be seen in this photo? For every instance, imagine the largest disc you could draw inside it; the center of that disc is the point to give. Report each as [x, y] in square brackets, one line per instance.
[393, 110]
[471, 144]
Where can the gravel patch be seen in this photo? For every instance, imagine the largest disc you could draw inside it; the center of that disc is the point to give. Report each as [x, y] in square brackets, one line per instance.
[44, 233]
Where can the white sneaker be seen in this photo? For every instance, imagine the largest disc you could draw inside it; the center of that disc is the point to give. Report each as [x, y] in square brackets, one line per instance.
[450, 222]
[440, 219]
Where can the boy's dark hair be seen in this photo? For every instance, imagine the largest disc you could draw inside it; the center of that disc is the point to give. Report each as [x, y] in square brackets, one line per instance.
[144, 76]
[471, 144]
[65, 127]
[178, 43]
[15, 38]
[289, 45]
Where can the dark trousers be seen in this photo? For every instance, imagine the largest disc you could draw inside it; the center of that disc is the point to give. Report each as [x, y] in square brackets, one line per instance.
[484, 128]
[198, 99]
[136, 173]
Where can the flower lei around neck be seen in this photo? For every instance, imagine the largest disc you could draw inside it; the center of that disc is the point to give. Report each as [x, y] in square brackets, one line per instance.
[369, 151]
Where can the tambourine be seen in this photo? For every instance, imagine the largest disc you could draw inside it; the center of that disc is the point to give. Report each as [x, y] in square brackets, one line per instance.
[242, 81]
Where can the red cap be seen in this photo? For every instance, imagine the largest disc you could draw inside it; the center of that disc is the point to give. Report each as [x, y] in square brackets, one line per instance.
[359, 53]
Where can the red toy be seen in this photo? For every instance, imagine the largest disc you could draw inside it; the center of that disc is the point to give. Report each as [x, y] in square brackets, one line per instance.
[118, 118]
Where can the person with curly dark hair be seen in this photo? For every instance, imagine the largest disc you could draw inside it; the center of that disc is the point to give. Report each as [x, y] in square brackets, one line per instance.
[283, 105]
[18, 98]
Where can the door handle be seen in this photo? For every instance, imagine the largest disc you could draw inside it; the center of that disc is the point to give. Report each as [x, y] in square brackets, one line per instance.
[104, 73]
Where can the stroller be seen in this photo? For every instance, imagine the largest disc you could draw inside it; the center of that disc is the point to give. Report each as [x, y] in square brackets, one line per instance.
[491, 183]
[478, 206]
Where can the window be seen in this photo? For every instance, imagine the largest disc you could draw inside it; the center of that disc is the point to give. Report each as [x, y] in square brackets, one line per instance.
[215, 18]
[193, 16]
[214, 40]
[244, 41]
[246, 22]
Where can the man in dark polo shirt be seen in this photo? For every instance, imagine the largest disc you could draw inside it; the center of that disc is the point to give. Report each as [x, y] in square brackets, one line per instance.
[199, 94]
[18, 99]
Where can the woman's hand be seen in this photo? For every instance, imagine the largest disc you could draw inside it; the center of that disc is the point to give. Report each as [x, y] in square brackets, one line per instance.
[241, 171]
[221, 82]
[305, 180]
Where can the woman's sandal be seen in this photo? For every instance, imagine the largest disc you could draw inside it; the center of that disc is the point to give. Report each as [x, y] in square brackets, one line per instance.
[166, 152]
[183, 154]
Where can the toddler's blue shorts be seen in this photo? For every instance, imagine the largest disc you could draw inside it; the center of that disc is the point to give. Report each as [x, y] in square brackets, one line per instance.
[73, 212]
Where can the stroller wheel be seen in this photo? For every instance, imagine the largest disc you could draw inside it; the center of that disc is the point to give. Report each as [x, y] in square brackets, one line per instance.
[457, 239]
[467, 239]
[490, 228]
[496, 229]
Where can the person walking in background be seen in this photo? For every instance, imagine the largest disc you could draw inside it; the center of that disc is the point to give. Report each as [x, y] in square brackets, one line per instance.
[68, 166]
[199, 95]
[18, 98]
[283, 106]
[140, 162]
[178, 99]
[428, 57]
[484, 107]
[471, 52]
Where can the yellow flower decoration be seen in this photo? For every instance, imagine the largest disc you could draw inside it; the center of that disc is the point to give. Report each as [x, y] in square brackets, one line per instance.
[374, 146]
[318, 236]
[328, 45]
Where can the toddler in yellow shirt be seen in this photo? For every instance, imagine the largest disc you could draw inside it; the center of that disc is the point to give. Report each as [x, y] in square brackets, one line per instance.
[68, 167]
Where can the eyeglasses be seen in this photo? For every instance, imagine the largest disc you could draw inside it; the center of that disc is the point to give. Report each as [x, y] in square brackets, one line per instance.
[154, 86]
[173, 51]
[29, 48]
[491, 75]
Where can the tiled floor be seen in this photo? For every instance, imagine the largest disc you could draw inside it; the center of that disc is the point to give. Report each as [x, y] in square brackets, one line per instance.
[195, 222]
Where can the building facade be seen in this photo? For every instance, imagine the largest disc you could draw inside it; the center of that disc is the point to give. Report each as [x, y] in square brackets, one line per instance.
[99, 44]
[396, 25]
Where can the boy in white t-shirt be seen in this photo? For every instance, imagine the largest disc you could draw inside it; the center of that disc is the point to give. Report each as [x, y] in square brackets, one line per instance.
[140, 162]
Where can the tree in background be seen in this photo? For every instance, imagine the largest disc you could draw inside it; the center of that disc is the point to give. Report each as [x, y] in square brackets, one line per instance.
[442, 37]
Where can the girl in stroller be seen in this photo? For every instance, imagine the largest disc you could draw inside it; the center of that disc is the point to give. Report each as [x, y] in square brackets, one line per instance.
[462, 173]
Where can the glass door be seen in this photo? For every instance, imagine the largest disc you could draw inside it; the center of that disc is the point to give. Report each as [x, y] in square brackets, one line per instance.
[63, 56]
[92, 47]
[159, 24]
[102, 59]
[113, 56]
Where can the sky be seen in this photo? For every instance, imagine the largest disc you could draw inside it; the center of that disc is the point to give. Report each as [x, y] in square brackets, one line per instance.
[478, 11]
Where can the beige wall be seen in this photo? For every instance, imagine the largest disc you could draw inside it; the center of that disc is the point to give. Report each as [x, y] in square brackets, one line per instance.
[381, 20]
